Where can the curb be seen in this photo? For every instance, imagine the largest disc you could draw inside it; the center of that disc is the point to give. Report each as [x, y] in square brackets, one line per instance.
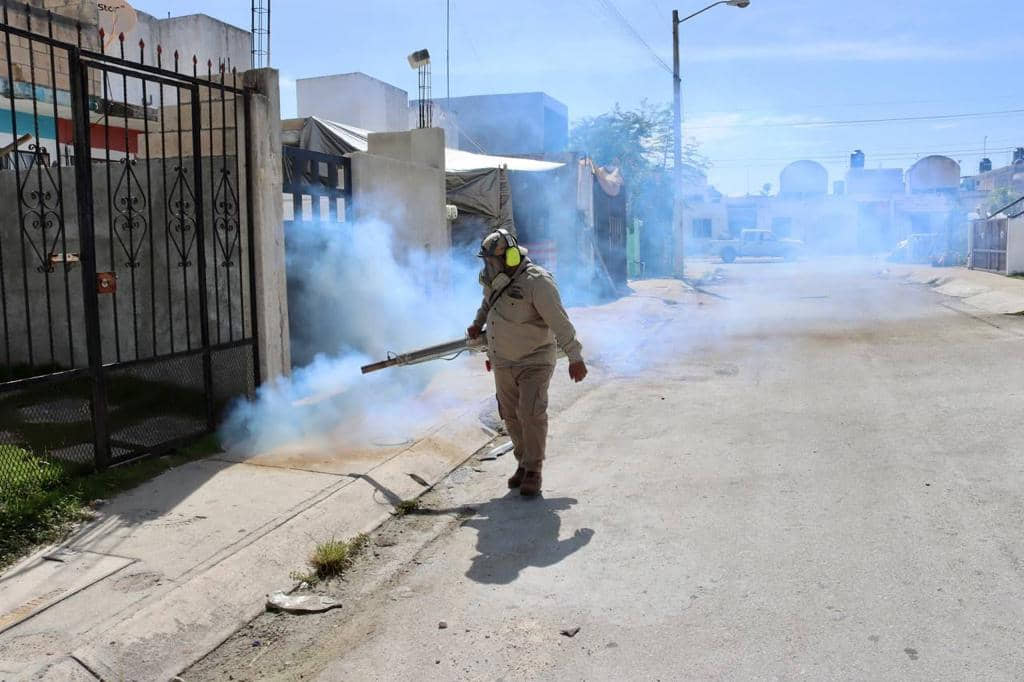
[172, 633]
[978, 295]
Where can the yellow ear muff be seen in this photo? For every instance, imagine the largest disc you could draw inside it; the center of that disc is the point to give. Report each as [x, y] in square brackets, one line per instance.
[513, 257]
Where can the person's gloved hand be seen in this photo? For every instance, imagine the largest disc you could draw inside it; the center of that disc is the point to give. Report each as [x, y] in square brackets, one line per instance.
[577, 371]
[473, 331]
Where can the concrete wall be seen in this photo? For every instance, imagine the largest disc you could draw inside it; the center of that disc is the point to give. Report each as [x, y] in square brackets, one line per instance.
[355, 99]
[272, 333]
[208, 39]
[420, 146]
[875, 181]
[401, 181]
[204, 36]
[529, 123]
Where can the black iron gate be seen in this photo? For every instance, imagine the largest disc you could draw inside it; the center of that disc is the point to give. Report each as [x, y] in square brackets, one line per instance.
[126, 273]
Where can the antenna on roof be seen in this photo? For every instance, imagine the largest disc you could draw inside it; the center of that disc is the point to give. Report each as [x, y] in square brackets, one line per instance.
[260, 33]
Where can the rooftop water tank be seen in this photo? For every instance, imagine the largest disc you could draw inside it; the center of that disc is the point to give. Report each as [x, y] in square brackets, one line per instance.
[934, 174]
[803, 178]
[857, 159]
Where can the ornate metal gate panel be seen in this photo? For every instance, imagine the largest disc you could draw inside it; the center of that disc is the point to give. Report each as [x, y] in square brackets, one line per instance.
[126, 273]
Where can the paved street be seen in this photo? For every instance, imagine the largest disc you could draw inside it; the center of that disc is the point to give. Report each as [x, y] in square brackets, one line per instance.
[817, 475]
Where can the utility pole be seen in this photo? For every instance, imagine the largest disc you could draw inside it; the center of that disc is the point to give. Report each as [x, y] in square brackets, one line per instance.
[678, 230]
[677, 151]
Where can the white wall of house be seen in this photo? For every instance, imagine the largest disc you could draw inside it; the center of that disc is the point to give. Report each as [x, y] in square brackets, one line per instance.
[702, 223]
[199, 35]
[1015, 246]
[355, 99]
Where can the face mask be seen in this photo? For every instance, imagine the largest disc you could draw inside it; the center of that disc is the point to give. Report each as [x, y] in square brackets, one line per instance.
[493, 268]
[500, 282]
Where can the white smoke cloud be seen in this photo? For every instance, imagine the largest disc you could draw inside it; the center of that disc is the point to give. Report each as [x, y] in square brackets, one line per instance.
[355, 295]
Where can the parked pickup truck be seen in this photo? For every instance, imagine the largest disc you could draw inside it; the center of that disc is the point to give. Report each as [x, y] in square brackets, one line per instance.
[757, 244]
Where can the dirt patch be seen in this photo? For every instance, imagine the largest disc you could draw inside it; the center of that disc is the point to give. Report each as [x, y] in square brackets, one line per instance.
[137, 582]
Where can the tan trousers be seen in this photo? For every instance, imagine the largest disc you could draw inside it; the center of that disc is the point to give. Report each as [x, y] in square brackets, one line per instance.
[523, 404]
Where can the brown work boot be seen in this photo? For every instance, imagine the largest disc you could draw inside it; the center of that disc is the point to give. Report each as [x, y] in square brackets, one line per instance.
[531, 484]
[516, 478]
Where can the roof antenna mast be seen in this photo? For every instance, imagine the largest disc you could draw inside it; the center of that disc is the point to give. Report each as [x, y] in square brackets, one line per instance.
[260, 33]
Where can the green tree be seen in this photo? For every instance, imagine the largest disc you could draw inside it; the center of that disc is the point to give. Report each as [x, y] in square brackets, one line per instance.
[639, 142]
[1000, 198]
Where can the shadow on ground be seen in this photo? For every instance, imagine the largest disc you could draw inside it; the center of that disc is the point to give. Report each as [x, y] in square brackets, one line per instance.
[514, 533]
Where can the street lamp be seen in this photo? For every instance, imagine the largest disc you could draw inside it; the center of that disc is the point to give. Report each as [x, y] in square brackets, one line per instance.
[677, 121]
[420, 60]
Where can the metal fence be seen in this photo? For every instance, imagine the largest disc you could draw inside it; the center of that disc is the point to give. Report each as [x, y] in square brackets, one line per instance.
[988, 244]
[126, 284]
[317, 187]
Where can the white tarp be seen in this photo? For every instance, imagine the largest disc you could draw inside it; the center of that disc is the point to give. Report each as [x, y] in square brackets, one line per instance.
[456, 160]
[330, 137]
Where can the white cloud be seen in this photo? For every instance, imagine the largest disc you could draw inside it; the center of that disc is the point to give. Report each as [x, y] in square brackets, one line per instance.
[893, 49]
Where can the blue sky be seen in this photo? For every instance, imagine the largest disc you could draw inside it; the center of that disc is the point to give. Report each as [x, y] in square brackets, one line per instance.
[749, 74]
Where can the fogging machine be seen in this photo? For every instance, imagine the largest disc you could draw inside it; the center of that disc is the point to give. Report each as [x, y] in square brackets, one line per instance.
[445, 351]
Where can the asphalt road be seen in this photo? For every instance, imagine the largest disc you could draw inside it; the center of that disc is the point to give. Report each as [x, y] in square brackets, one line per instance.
[818, 476]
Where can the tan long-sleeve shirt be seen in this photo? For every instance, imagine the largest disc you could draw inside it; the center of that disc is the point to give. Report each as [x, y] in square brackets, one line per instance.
[526, 321]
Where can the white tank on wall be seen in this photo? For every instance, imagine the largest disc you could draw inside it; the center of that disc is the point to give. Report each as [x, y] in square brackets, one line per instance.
[803, 178]
[934, 174]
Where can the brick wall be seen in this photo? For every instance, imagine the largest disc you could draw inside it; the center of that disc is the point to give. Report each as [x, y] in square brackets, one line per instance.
[35, 62]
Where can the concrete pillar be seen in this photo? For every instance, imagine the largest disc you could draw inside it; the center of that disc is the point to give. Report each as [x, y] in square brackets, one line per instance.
[401, 180]
[271, 304]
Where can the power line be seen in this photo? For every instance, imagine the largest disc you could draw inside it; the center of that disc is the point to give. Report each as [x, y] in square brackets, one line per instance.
[754, 163]
[841, 156]
[838, 105]
[863, 121]
[611, 9]
[915, 147]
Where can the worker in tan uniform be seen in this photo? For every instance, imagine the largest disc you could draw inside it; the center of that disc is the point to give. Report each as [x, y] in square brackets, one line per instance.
[525, 325]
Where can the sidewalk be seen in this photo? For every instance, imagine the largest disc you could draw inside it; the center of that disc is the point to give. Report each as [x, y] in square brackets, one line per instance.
[169, 570]
[987, 291]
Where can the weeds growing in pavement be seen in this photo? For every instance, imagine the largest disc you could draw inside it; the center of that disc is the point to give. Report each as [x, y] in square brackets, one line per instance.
[332, 558]
[407, 507]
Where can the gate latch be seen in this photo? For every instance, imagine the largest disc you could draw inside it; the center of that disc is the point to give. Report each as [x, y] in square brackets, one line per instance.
[68, 259]
[106, 282]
